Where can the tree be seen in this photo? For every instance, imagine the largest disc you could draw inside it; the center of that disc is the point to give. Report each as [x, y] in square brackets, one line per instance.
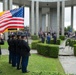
[68, 29]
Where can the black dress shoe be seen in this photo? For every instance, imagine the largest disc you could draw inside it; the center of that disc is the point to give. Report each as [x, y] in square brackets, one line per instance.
[26, 72]
[18, 68]
[10, 62]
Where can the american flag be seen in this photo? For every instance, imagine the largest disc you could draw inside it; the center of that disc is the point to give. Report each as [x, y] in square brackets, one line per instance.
[12, 19]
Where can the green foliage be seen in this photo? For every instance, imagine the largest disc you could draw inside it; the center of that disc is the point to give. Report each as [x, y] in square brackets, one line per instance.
[57, 43]
[34, 37]
[70, 42]
[75, 50]
[67, 43]
[67, 28]
[62, 37]
[53, 51]
[48, 50]
[34, 44]
[38, 65]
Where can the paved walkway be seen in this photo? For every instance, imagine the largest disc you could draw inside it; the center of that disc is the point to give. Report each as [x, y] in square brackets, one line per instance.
[68, 64]
[65, 50]
[66, 57]
[6, 52]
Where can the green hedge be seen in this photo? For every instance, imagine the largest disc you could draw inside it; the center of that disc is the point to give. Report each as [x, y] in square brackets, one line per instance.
[57, 43]
[75, 50]
[34, 44]
[48, 50]
[34, 37]
[62, 37]
[70, 42]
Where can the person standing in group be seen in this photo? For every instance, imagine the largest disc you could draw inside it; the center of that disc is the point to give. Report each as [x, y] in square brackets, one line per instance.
[54, 37]
[48, 38]
[9, 47]
[25, 53]
[42, 38]
[18, 49]
[13, 50]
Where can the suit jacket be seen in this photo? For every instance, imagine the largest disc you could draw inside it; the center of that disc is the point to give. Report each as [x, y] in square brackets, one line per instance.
[25, 49]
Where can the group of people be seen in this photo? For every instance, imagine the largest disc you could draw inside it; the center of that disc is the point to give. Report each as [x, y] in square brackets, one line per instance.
[48, 36]
[19, 51]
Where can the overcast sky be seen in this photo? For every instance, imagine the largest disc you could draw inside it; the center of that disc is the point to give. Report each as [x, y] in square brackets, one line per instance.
[67, 15]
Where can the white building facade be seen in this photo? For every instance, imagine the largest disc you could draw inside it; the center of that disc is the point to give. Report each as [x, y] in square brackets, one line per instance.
[45, 14]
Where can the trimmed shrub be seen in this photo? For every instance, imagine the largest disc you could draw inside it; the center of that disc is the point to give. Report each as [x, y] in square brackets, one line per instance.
[53, 51]
[67, 42]
[57, 43]
[62, 37]
[70, 42]
[75, 50]
[34, 44]
[34, 37]
[48, 50]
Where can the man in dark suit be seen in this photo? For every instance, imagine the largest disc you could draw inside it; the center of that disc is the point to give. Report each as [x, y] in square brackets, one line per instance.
[13, 50]
[25, 52]
[55, 38]
[18, 49]
[9, 47]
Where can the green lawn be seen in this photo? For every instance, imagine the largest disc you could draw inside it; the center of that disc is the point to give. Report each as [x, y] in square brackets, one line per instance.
[5, 46]
[38, 65]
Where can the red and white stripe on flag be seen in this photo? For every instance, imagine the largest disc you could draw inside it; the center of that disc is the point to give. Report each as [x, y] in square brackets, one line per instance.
[7, 21]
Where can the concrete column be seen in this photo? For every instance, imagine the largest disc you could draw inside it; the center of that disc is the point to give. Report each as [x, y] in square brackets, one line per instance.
[10, 2]
[40, 18]
[49, 26]
[46, 22]
[37, 17]
[72, 18]
[32, 18]
[5, 7]
[58, 18]
[43, 22]
[63, 14]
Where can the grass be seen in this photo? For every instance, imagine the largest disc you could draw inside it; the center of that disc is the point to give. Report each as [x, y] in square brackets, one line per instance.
[5, 46]
[38, 65]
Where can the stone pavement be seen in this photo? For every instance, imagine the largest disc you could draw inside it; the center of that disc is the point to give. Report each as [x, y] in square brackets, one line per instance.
[68, 64]
[65, 50]
[67, 59]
